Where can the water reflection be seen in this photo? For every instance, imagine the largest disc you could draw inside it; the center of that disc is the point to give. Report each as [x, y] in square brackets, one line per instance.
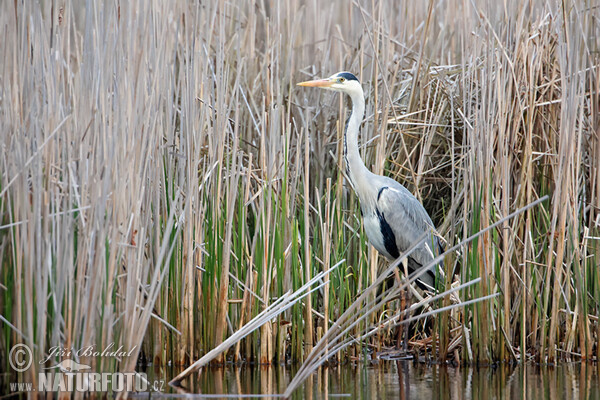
[401, 380]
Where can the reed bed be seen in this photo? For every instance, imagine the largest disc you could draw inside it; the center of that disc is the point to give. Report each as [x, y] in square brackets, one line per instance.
[163, 182]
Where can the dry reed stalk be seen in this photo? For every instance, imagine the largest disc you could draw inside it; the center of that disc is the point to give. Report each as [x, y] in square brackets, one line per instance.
[327, 262]
[307, 264]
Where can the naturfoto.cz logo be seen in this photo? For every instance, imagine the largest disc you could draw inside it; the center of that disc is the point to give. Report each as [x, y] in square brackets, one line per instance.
[71, 376]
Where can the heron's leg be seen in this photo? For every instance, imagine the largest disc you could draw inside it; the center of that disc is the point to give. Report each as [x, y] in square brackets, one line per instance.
[403, 331]
[405, 306]
[400, 327]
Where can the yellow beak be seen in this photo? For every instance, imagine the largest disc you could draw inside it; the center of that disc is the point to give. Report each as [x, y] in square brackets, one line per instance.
[317, 83]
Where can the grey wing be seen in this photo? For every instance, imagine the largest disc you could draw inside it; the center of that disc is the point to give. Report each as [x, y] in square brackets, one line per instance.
[407, 220]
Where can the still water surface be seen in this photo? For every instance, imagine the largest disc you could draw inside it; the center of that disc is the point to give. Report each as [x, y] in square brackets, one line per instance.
[400, 380]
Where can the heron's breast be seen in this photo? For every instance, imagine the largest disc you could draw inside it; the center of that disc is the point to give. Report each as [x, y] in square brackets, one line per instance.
[372, 225]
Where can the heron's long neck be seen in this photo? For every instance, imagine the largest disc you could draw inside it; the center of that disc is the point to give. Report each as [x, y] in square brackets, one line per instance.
[355, 167]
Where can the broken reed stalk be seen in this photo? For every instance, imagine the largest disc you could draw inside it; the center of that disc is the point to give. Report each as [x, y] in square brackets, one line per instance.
[268, 314]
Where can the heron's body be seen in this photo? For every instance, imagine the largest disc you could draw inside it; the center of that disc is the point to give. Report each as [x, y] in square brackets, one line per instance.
[393, 218]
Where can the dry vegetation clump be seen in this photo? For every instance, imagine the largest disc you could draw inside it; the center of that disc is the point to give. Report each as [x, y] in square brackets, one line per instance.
[163, 182]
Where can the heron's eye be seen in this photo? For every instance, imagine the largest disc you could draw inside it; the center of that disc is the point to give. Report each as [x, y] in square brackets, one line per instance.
[341, 80]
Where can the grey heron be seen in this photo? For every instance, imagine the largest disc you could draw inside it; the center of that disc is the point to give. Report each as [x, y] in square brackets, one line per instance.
[393, 218]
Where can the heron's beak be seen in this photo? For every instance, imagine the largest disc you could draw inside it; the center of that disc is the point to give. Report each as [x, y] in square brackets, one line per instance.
[324, 83]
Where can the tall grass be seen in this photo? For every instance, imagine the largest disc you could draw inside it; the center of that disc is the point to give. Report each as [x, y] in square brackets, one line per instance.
[163, 181]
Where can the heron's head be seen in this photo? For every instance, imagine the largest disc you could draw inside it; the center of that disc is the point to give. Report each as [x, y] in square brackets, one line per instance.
[340, 82]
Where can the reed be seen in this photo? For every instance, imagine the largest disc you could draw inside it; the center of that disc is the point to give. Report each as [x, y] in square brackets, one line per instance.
[163, 183]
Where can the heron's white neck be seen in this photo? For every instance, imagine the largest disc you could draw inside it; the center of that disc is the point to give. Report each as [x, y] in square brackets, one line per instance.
[355, 167]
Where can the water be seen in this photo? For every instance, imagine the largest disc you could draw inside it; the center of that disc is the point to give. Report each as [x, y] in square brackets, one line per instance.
[399, 380]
